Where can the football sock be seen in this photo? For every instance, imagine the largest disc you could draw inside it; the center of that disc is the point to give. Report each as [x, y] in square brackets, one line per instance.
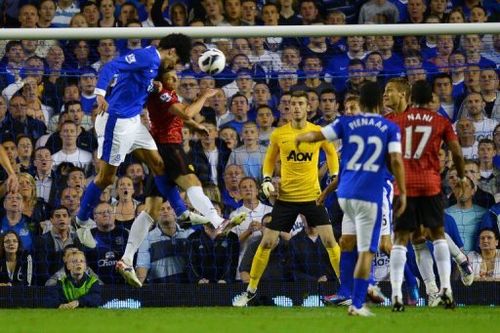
[456, 254]
[442, 256]
[397, 264]
[138, 233]
[169, 192]
[425, 265]
[259, 265]
[347, 264]
[334, 255]
[89, 201]
[360, 289]
[203, 204]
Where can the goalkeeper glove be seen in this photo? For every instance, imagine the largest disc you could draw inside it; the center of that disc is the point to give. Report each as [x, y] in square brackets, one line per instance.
[267, 187]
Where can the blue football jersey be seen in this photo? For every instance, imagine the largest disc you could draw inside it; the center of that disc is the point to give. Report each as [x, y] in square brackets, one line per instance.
[366, 141]
[131, 79]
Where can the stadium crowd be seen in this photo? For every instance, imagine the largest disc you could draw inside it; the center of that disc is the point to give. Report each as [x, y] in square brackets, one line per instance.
[47, 112]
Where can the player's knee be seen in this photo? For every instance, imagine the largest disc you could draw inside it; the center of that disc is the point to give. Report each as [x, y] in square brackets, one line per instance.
[436, 233]
[401, 238]
[347, 242]
[105, 177]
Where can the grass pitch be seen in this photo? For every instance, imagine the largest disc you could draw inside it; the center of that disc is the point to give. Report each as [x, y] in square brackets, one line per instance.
[256, 319]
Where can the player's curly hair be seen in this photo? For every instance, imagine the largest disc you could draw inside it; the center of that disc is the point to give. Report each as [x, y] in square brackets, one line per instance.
[181, 43]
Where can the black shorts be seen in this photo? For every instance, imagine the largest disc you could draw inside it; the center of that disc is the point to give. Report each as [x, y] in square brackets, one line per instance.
[285, 213]
[177, 163]
[425, 211]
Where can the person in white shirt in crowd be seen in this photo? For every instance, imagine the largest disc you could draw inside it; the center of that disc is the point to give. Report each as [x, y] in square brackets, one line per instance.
[490, 176]
[65, 10]
[486, 263]
[251, 228]
[107, 52]
[219, 104]
[269, 61]
[70, 152]
[473, 109]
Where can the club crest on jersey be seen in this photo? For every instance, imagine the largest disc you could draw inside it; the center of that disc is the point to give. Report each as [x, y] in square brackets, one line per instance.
[130, 58]
[165, 97]
[299, 157]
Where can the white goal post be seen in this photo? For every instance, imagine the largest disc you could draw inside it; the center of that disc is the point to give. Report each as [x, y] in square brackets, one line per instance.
[255, 31]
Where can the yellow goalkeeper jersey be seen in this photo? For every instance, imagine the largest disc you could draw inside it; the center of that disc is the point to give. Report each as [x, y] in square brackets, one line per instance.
[299, 168]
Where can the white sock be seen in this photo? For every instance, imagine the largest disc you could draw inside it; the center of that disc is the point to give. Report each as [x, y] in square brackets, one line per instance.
[203, 204]
[138, 233]
[425, 266]
[442, 256]
[397, 267]
[456, 254]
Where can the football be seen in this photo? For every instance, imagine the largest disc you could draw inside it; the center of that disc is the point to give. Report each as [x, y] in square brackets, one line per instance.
[212, 61]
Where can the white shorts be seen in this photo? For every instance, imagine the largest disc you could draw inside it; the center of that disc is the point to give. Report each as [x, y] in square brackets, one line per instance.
[117, 137]
[366, 217]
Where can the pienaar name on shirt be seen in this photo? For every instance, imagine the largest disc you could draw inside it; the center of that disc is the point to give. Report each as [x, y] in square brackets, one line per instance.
[359, 122]
[301, 157]
[419, 116]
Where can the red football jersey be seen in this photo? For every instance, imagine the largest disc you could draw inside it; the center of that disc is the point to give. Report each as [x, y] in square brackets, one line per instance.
[422, 132]
[165, 126]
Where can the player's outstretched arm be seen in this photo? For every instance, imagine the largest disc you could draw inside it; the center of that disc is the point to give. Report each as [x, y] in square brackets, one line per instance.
[313, 136]
[399, 173]
[187, 112]
[11, 182]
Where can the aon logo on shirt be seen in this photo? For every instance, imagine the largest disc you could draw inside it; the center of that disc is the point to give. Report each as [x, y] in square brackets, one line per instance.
[300, 157]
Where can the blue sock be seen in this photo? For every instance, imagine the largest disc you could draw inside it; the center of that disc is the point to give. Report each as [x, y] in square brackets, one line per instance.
[347, 264]
[169, 192]
[359, 292]
[411, 280]
[371, 279]
[89, 200]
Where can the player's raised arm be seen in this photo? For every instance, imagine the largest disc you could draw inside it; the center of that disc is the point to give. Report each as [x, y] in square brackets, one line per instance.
[11, 182]
[187, 112]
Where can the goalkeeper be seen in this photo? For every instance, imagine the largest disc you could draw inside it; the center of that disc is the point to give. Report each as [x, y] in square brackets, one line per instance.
[298, 192]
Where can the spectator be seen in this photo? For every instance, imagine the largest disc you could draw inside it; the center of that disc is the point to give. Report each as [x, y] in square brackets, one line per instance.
[68, 251]
[46, 187]
[214, 13]
[230, 137]
[16, 267]
[34, 209]
[70, 200]
[110, 240]
[472, 78]
[265, 120]
[473, 45]
[374, 71]
[10, 149]
[189, 88]
[489, 91]
[270, 17]
[46, 13]
[486, 263]
[69, 151]
[313, 71]
[277, 268]
[135, 171]
[85, 140]
[473, 108]
[209, 156]
[490, 176]
[107, 52]
[465, 131]
[268, 60]
[416, 10]
[442, 86]
[230, 191]
[338, 63]
[239, 109]
[107, 11]
[49, 246]
[14, 220]
[232, 9]
[77, 289]
[87, 82]
[125, 207]
[457, 72]
[250, 155]
[308, 257]
[313, 101]
[465, 214]
[251, 228]
[248, 12]
[162, 255]
[328, 107]
[290, 57]
[371, 9]
[309, 12]
[288, 16]
[261, 96]
[480, 198]
[90, 11]
[18, 122]
[65, 10]
[24, 153]
[78, 21]
[212, 258]
[287, 78]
